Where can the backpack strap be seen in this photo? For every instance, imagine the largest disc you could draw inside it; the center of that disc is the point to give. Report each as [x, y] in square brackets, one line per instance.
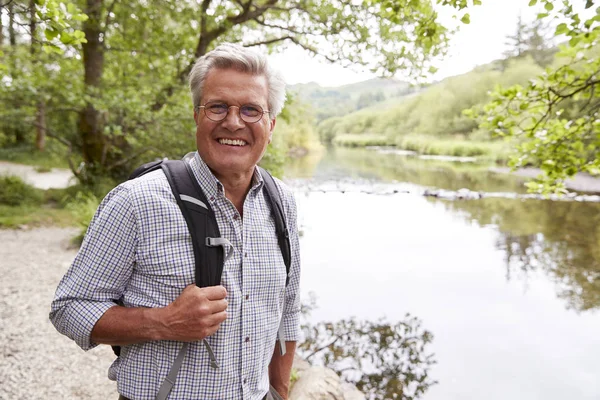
[202, 226]
[283, 237]
[281, 229]
[200, 220]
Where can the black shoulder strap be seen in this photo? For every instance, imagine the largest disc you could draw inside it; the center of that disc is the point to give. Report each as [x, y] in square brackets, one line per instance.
[283, 234]
[200, 219]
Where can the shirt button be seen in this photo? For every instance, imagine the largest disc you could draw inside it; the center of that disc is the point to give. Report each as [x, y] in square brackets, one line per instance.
[247, 297]
[212, 198]
[235, 217]
[245, 380]
[246, 255]
[247, 339]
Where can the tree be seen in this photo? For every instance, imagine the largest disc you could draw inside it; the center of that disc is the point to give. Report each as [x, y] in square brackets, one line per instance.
[554, 119]
[136, 57]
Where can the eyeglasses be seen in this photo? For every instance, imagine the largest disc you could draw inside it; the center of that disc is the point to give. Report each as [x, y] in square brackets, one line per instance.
[217, 111]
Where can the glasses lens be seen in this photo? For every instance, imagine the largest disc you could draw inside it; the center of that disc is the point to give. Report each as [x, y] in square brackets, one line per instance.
[216, 111]
[251, 113]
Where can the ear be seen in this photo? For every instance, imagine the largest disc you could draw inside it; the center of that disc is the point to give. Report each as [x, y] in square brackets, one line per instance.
[196, 116]
[271, 129]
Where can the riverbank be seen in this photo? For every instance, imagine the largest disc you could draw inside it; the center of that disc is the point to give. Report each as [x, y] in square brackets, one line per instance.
[579, 183]
[39, 363]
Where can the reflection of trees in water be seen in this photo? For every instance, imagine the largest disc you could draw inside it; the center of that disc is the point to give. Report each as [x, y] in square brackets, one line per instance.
[370, 164]
[561, 239]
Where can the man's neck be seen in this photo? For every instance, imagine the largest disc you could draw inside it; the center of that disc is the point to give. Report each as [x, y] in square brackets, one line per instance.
[236, 188]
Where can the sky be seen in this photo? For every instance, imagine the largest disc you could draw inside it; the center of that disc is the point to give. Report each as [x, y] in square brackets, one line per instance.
[480, 42]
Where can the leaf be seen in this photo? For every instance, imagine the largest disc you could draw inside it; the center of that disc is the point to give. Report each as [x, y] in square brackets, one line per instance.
[51, 33]
[549, 6]
[466, 19]
[532, 3]
[561, 29]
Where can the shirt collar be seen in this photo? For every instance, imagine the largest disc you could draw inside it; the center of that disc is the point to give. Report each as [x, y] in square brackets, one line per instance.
[210, 184]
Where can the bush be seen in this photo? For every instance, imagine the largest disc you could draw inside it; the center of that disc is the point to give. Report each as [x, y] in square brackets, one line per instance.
[15, 192]
[83, 207]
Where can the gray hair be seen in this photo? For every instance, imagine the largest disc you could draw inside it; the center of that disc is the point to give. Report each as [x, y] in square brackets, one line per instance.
[234, 56]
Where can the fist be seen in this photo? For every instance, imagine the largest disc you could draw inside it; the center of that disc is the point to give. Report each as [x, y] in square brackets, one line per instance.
[196, 313]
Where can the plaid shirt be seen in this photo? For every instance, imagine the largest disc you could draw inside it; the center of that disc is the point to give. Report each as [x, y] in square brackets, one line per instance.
[138, 249]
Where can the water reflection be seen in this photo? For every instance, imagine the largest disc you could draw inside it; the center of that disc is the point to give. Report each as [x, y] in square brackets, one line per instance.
[560, 238]
[373, 165]
[509, 288]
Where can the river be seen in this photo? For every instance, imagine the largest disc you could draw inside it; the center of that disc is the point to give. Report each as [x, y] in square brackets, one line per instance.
[510, 288]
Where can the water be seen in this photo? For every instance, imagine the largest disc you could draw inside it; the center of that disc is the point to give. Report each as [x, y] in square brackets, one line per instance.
[509, 288]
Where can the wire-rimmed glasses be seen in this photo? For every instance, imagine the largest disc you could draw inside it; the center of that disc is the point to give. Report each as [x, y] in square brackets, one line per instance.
[217, 111]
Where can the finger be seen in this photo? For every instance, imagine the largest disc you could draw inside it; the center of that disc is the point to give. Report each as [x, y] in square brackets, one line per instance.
[217, 306]
[216, 319]
[214, 292]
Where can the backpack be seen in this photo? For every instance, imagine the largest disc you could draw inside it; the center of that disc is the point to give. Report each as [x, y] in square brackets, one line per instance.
[206, 239]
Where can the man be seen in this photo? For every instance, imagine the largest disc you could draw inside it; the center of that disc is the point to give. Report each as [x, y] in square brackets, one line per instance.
[138, 251]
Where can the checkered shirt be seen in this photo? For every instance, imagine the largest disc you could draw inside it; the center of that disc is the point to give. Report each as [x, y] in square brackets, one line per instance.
[138, 249]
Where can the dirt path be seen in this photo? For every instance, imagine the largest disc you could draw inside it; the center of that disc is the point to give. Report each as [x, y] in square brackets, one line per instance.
[56, 178]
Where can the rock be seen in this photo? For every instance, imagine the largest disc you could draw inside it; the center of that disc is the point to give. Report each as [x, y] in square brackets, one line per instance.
[317, 383]
[320, 383]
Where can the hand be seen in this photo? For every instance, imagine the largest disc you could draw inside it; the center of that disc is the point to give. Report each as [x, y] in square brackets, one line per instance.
[196, 313]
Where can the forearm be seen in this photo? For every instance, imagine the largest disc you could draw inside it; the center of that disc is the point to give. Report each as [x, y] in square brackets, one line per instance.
[123, 326]
[280, 368]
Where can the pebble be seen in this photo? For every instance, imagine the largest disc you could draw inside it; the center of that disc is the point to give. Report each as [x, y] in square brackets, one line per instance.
[37, 362]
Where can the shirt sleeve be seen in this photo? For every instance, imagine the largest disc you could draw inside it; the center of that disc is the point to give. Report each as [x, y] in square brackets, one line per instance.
[99, 274]
[291, 312]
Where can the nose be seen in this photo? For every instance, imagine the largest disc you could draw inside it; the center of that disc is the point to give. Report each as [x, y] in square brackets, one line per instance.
[233, 121]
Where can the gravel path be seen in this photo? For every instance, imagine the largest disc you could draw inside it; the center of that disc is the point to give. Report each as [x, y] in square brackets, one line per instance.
[55, 178]
[36, 362]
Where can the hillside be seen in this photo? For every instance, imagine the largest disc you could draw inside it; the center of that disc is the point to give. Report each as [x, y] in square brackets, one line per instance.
[335, 101]
[436, 110]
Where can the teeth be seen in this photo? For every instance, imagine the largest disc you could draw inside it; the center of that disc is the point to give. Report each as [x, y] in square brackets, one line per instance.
[232, 142]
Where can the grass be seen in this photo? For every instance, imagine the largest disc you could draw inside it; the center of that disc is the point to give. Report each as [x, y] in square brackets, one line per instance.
[34, 216]
[493, 151]
[23, 205]
[29, 155]
[361, 140]
[431, 145]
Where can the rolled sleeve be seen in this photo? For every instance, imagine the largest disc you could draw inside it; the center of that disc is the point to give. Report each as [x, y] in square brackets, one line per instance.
[99, 274]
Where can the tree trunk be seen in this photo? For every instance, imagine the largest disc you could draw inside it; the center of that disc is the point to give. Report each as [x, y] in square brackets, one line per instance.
[32, 25]
[1, 31]
[12, 37]
[40, 127]
[90, 121]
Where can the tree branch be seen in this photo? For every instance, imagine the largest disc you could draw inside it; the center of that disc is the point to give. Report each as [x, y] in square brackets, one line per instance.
[271, 41]
[322, 348]
[108, 12]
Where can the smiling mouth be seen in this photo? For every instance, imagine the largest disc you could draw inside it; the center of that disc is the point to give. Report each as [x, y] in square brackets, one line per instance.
[233, 142]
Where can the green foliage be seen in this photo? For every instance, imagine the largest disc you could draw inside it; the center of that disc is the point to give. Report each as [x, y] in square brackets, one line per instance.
[354, 140]
[555, 117]
[126, 101]
[337, 101]
[491, 151]
[14, 192]
[82, 207]
[437, 110]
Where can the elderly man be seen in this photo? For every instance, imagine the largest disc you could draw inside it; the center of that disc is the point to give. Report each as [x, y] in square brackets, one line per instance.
[137, 252]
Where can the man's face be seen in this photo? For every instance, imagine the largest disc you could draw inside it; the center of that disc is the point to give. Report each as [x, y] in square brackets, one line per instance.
[232, 147]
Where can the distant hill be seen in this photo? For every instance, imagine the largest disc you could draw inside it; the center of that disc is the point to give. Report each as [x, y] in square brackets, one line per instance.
[334, 101]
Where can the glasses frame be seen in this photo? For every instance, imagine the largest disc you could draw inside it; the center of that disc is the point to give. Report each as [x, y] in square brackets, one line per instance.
[239, 111]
